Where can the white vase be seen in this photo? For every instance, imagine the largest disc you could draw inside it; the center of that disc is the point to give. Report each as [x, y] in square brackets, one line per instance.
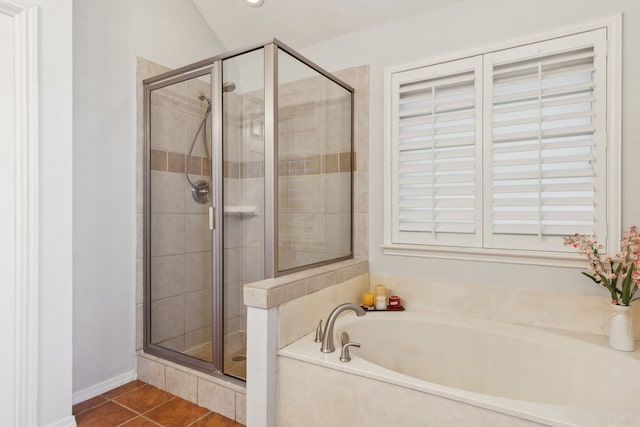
[621, 329]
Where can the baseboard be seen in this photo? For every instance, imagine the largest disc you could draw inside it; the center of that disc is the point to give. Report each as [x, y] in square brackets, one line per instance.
[102, 387]
[70, 421]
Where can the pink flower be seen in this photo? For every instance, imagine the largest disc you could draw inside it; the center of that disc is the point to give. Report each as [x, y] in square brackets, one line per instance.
[606, 270]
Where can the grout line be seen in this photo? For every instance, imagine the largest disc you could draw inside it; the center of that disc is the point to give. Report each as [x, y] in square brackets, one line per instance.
[124, 392]
[163, 403]
[127, 408]
[151, 421]
[92, 407]
[201, 418]
[139, 416]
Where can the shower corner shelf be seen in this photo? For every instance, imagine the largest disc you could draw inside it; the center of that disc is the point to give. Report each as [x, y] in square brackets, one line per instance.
[241, 211]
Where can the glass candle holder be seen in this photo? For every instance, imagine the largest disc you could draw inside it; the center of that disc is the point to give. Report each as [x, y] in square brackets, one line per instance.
[368, 299]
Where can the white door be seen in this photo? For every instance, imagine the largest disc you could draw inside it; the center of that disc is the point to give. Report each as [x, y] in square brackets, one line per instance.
[7, 223]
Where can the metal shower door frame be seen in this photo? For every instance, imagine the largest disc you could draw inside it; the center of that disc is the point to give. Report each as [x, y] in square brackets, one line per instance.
[199, 69]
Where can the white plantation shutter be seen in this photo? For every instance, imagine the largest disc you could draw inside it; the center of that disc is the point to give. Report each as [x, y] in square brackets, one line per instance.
[505, 152]
[545, 142]
[436, 164]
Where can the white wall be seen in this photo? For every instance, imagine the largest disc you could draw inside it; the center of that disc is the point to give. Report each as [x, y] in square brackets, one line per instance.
[108, 35]
[6, 135]
[463, 26]
[7, 220]
[55, 298]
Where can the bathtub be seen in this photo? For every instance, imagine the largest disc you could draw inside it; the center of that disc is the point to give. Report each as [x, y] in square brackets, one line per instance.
[426, 369]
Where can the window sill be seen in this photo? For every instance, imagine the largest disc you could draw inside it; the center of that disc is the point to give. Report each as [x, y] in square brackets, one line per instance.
[553, 259]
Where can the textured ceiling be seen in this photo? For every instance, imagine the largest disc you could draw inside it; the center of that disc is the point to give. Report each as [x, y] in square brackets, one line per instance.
[302, 23]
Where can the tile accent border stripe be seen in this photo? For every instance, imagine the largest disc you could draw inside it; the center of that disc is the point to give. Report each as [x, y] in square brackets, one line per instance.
[166, 161]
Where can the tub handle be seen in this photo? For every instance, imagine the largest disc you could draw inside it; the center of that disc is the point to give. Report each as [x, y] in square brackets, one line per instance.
[318, 337]
[344, 354]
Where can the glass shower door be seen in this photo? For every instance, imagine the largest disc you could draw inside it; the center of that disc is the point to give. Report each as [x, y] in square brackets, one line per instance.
[243, 187]
[180, 252]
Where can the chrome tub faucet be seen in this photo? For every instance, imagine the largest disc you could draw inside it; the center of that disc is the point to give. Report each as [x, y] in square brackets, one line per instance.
[327, 337]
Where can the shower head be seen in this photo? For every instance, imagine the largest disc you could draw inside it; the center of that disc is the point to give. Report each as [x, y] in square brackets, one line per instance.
[203, 97]
[226, 87]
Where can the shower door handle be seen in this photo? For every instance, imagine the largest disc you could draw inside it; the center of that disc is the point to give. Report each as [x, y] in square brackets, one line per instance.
[212, 218]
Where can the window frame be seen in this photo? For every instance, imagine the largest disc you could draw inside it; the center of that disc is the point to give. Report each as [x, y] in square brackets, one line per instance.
[613, 26]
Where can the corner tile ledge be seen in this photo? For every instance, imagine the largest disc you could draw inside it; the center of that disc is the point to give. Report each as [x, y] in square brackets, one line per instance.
[270, 293]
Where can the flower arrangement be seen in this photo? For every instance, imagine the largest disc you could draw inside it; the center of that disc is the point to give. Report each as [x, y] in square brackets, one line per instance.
[619, 274]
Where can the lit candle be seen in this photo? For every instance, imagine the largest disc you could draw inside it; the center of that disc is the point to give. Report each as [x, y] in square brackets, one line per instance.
[368, 299]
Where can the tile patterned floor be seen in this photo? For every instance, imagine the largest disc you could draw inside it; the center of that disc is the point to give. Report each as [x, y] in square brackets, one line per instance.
[137, 404]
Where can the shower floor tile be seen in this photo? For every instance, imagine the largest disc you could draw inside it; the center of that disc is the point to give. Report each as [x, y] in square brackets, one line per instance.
[137, 404]
[235, 364]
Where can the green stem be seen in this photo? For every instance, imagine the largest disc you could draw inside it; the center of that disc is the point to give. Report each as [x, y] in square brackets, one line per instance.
[614, 291]
[626, 286]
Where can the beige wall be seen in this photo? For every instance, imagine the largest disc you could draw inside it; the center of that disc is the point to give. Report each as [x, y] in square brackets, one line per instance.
[462, 27]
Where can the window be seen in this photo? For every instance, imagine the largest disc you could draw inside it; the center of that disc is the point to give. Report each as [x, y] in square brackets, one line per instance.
[436, 172]
[502, 151]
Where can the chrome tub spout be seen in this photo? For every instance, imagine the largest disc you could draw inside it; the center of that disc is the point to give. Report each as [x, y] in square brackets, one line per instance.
[327, 337]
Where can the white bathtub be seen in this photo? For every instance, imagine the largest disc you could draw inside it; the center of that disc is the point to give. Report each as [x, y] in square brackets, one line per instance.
[427, 369]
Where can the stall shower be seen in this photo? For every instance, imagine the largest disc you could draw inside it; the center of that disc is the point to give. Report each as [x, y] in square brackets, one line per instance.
[248, 175]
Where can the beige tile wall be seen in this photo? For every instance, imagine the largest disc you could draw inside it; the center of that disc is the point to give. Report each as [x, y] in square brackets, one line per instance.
[243, 169]
[358, 78]
[300, 316]
[314, 125]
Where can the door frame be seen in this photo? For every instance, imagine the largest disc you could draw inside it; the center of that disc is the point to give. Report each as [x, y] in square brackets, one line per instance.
[25, 206]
